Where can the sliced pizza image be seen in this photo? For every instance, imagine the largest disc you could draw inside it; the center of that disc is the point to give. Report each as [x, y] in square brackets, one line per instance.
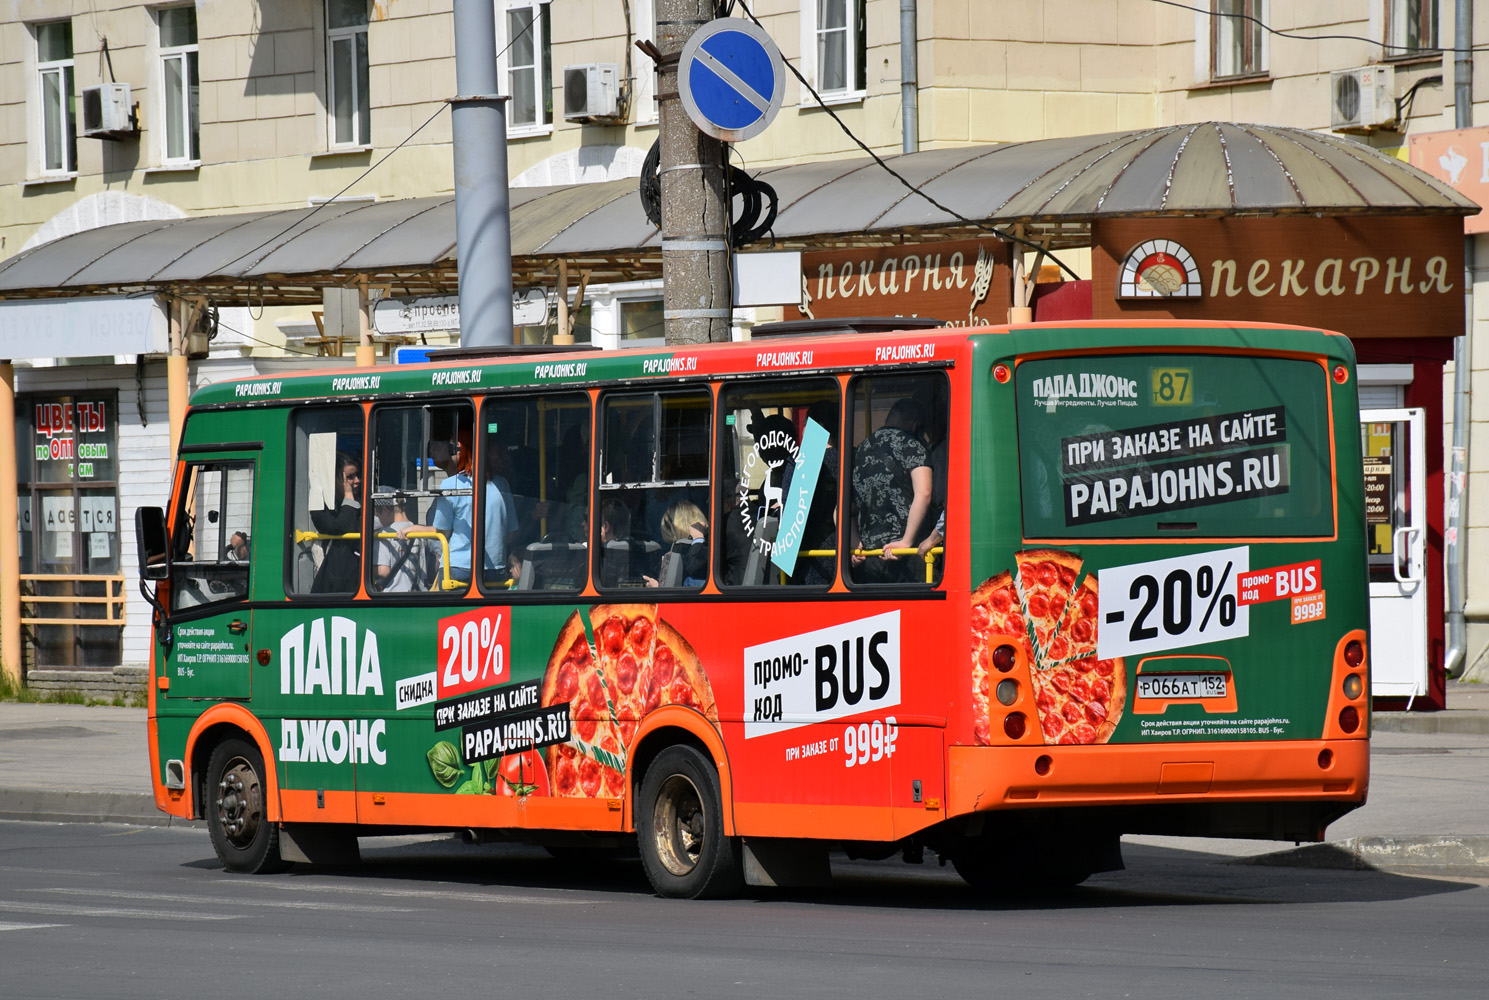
[1079, 697]
[637, 664]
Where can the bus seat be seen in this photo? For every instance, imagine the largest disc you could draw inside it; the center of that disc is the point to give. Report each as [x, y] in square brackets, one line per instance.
[757, 565]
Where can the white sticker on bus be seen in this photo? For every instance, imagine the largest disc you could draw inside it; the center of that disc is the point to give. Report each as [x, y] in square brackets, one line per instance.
[827, 674]
[1172, 603]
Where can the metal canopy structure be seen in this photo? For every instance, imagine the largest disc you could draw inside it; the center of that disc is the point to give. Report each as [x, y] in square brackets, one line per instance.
[1052, 188]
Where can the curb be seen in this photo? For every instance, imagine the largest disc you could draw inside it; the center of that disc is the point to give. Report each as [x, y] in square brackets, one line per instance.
[1449, 721]
[1384, 853]
[45, 805]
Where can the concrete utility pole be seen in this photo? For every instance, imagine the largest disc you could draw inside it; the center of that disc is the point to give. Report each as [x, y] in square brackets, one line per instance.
[483, 230]
[696, 305]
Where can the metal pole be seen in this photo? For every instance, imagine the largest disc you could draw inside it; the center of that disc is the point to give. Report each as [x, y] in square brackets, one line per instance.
[1455, 660]
[482, 222]
[177, 379]
[695, 221]
[10, 545]
[909, 101]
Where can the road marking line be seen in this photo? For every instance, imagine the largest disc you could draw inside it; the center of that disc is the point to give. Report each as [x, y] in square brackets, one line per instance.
[69, 910]
[432, 894]
[26, 927]
[166, 897]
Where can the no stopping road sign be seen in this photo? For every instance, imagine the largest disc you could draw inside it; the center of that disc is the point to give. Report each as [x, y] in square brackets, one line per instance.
[731, 79]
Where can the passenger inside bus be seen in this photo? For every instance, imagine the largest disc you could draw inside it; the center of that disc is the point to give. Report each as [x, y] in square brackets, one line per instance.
[892, 483]
[685, 533]
[343, 559]
[400, 559]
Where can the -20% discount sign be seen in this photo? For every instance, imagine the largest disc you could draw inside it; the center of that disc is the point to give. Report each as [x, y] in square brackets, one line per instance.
[473, 651]
[1172, 603]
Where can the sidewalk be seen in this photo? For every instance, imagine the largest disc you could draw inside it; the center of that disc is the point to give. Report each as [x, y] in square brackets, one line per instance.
[1428, 807]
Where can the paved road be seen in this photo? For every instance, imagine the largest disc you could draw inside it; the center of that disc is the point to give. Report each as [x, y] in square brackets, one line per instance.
[95, 910]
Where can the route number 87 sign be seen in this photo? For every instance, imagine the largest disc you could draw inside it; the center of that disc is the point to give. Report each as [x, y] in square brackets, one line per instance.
[1172, 603]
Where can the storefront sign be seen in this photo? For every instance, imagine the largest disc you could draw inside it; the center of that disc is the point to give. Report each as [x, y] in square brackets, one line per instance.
[100, 326]
[436, 313]
[965, 283]
[1377, 492]
[1460, 159]
[1368, 277]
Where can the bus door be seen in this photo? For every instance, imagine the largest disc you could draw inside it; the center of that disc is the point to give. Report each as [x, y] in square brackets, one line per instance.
[1393, 445]
[205, 646]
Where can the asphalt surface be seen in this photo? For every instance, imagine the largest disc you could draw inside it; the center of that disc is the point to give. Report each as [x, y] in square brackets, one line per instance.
[99, 910]
[1428, 807]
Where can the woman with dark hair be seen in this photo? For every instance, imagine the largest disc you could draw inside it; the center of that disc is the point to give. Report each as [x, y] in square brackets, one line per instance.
[343, 562]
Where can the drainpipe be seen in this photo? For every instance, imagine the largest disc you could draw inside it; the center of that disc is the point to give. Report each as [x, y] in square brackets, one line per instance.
[10, 545]
[1455, 660]
[483, 230]
[909, 108]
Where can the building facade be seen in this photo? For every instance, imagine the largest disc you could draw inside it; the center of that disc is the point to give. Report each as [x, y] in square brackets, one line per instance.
[112, 111]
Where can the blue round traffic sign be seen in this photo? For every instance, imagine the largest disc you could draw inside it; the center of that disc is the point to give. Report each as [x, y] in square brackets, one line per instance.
[731, 79]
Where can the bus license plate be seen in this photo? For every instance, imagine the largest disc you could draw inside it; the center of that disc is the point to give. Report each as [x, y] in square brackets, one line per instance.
[1181, 685]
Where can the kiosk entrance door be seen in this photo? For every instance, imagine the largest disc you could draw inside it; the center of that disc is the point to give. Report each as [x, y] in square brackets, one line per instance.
[1393, 443]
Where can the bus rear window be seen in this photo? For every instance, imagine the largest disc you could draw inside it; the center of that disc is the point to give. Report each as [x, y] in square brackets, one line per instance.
[1180, 445]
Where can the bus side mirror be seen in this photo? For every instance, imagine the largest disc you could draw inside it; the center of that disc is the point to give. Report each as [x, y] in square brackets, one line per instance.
[152, 542]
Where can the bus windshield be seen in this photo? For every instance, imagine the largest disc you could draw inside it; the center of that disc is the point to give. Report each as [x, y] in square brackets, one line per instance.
[1193, 445]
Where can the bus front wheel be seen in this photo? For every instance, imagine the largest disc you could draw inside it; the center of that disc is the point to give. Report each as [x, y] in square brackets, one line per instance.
[680, 828]
[236, 810]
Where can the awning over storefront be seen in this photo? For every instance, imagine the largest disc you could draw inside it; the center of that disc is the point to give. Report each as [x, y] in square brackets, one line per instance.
[1054, 188]
[85, 327]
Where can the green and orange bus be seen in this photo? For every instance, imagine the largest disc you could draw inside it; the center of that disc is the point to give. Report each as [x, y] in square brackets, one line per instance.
[1003, 594]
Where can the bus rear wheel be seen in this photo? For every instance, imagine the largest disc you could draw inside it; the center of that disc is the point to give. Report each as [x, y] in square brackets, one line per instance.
[680, 828]
[236, 810]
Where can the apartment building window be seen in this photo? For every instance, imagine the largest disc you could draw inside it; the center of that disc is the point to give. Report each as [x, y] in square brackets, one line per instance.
[346, 78]
[59, 133]
[527, 63]
[178, 85]
[839, 44]
[1236, 38]
[1411, 28]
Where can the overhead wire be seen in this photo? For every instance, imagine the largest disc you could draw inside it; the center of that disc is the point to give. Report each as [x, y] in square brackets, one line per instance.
[1333, 37]
[912, 188]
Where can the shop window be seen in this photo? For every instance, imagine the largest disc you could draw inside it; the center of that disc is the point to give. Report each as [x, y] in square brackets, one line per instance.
[897, 479]
[526, 64]
[641, 320]
[535, 452]
[213, 546]
[179, 86]
[1237, 38]
[425, 500]
[67, 495]
[1411, 28]
[346, 76]
[56, 105]
[780, 461]
[327, 503]
[653, 491]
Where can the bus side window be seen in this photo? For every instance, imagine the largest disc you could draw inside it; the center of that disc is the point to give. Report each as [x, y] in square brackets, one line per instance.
[326, 507]
[897, 479]
[778, 498]
[653, 490]
[424, 500]
[535, 452]
[213, 543]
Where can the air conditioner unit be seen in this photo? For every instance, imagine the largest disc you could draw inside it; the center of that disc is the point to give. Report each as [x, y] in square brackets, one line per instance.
[108, 111]
[592, 92]
[1362, 100]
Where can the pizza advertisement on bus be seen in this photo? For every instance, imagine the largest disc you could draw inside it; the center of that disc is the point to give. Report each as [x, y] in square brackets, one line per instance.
[1196, 446]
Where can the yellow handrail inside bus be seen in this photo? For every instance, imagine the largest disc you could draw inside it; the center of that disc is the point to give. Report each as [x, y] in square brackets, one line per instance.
[930, 562]
[445, 583]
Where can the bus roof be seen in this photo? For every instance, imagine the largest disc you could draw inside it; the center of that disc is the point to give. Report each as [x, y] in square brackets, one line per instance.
[783, 355]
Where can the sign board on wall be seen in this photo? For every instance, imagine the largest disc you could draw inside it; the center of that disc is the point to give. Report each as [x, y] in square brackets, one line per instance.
[1364, 276]
[1460, 159]
[962, 283]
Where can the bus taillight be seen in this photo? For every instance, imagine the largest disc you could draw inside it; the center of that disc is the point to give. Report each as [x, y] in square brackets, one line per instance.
[1014, 725]
[1349, 718]
[1341, 374]
[1353, 685]
[1004, 658]
[1354, 653]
